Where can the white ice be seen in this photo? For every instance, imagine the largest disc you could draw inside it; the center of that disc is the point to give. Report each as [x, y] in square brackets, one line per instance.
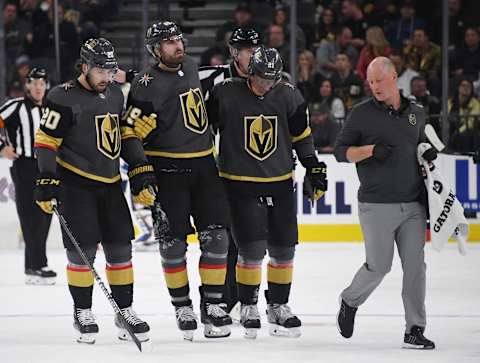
[36, 321]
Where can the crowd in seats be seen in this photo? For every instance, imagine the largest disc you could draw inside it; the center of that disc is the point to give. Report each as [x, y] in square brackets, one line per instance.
[29, 36]
[336, 44]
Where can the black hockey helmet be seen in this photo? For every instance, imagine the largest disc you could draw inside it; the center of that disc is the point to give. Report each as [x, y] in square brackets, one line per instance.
[98, 52]
[245, 37]
[38, 73]
[163, 30]
[266, 63]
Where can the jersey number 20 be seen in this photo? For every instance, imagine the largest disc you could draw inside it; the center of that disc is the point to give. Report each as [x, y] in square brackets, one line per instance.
[50, 119]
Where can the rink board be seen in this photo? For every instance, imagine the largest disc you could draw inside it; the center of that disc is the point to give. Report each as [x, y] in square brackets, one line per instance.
[333, 218]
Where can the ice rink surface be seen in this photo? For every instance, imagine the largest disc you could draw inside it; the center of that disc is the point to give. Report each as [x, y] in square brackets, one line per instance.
[36, 321]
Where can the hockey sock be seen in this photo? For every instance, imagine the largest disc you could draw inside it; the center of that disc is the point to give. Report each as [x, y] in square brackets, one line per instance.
[80, 284]
[279, 276]
[249, 276]
[120, 278]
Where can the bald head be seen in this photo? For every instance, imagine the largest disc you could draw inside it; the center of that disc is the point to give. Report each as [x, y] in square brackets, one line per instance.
[382, 78]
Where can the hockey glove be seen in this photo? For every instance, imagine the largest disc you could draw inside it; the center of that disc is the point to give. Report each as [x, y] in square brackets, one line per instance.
[382, 152]
[143, 184]
[144, 126]
[47, 188]
[316, 183]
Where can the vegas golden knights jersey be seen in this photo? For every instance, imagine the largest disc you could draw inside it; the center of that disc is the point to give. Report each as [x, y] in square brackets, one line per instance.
[175, 99]
[257, 134]
[84, 128]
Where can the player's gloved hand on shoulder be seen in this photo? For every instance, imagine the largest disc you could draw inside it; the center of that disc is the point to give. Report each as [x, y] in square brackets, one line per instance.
[317, 183]
[47, 189]
[144, 126]
[430, 154]
[382, 152]
[143, 184]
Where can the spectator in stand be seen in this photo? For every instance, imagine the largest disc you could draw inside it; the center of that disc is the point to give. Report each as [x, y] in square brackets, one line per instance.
[355, 19]
[459, 17]
[275, 38]
[26, 10]
[242, 17]
[464, 115]
[42, 47]
[431, 104]
[376, 46]
[280, 18]
[424, 56]
[326, 95]
[18, 77]
[328, 50]
[467, 58]
[404, 74]
[324, 127]
[15, 31]
[327, 27]
[348, 86]
[400, 32]
[306, 74]
[216, 52]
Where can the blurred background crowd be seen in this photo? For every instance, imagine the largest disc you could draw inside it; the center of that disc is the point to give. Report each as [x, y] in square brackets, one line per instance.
[335, 41]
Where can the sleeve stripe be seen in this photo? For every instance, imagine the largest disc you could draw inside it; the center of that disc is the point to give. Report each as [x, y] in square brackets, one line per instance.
[10, 102]
[127, 132]
[2, 123]
[6, 112]
[44, 140]
[44, 146]
[307, 132]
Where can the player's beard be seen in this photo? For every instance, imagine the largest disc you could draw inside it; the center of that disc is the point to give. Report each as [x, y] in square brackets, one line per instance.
[98, 87]
[175, 60]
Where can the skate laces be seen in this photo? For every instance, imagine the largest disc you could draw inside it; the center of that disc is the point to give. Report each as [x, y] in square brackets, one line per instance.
[131, 316]
[250, 312]
[185, 313]
[85, 317]
[215, 310]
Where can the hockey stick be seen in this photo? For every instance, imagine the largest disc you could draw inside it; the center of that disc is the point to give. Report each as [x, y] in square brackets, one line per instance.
[100, 283]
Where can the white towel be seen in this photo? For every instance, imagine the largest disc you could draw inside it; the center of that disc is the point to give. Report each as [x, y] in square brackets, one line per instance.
[447, 219]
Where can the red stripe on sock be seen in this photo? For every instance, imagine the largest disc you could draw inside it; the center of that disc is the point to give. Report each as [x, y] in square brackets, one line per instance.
[172, 270]
[281, 265]
[119, 267]
[212, 267]
[249, 267]
[78, 268]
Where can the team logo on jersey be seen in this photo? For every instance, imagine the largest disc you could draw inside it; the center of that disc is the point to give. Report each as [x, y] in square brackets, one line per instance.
[194, 112]
[261, 136]
[145, 79]
[108, 135]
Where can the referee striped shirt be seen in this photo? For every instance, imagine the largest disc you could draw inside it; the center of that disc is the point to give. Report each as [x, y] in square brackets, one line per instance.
[20, 118]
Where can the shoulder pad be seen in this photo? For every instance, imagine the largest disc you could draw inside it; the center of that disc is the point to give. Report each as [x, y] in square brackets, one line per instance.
[289, 85]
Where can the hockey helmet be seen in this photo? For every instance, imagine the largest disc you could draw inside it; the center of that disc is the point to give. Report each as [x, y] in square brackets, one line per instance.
[244, 37]
[99, 52]
[38, 73]
[266, 63]
[163, 30]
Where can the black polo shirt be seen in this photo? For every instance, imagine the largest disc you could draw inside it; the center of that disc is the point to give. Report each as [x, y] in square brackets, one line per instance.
[397, 179]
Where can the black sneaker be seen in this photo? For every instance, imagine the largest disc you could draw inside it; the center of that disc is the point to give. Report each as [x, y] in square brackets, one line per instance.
[42, 276]
[416, 340]
[346, 319]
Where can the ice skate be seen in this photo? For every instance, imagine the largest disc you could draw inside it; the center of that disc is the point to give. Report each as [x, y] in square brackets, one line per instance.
[216, 320]
[139, 327]
[186, 321]
[250, 320]
[42, 276]
[282, 321]
[85, 324]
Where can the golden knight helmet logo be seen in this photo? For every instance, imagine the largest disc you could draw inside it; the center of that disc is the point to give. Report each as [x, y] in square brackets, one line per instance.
[261, 136]
[108, 135]
[194, 112]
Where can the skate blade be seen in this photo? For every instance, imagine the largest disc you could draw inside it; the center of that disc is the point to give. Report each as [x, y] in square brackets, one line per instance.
[142, 337]
[413, 346]
[188, 335]
[40, 281]
[86, 338]
[280, 331]
[211, 331]
[250, 333]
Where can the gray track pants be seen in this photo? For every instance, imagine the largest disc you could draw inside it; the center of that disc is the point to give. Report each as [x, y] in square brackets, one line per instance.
[382, 225]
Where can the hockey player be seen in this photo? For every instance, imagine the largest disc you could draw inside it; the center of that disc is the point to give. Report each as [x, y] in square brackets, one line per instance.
[242, 44]
[19, 118]
[166, 111]
[260, 121]
[80, 129]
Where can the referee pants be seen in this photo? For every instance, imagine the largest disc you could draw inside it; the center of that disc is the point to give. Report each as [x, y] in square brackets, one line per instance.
[382, 226]
[34, 222]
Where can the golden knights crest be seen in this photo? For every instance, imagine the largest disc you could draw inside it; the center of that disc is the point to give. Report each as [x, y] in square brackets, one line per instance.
[194, 112]
[108, 135]
[261, 136]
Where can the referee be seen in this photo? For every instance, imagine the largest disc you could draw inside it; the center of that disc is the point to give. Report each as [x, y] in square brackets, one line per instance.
[19, 118]
[381, 136]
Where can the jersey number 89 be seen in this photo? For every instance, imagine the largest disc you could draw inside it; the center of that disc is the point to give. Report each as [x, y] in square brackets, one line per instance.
[50, 119]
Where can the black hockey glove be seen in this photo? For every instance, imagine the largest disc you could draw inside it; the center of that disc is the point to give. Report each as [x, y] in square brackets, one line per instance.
[143, 184]
[382, 152]
[315, 183]
[47, 188]
[430, 154]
